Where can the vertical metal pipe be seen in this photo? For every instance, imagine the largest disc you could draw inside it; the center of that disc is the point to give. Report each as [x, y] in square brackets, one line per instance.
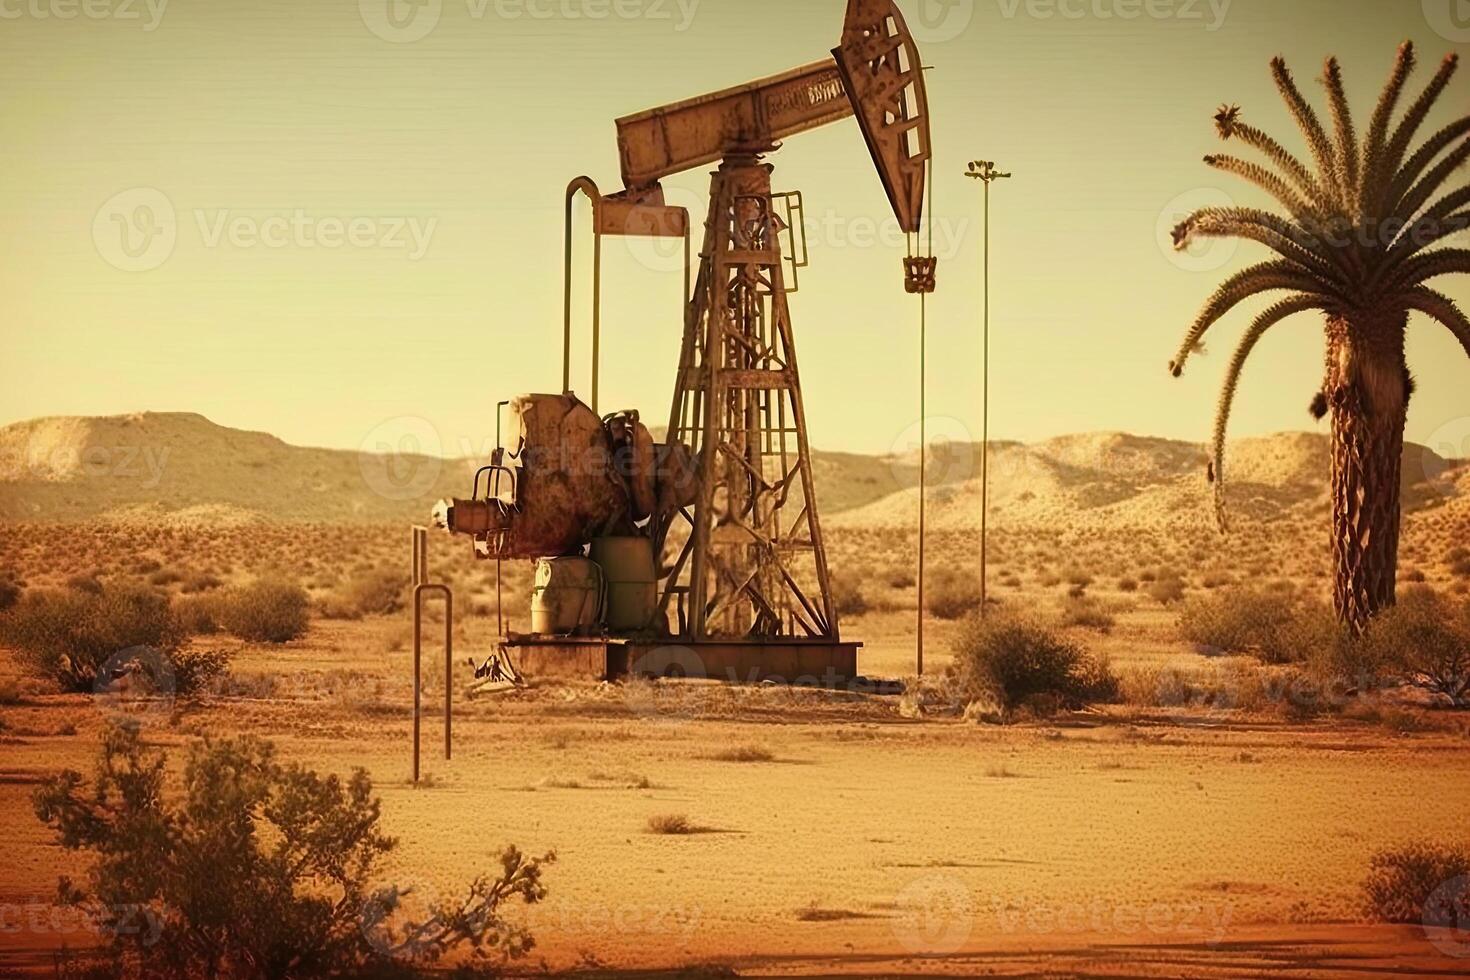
[596, 309]
[448, 670]
[417, 675]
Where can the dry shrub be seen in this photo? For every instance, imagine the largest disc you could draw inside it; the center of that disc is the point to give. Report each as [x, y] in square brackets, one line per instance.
[1087, 613]
[1274, 626]
[297, 851]
[1127, 585]
[847, 592]
[950, 595]
[265, 611]
[1166, 590]
[900, 577]
[9, 593]
[1425, 640]
[197, 615]
[1019, 662]
[69, 635]
[1419, 883]
[199, 582]
[674, 824]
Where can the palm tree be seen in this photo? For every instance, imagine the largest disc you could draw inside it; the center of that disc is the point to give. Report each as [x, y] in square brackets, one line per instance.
[1355, 244]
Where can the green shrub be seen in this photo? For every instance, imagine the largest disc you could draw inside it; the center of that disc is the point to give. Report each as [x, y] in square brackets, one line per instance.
[950, 595]
[1019, 662]
[265, 611]
[257, 869]
[1419, 883]
[68, 635]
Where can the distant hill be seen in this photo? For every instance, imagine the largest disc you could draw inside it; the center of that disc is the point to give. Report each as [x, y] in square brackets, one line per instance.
[184, 468]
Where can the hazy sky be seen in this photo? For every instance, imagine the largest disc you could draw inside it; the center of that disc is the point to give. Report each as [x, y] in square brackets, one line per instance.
[366, 208]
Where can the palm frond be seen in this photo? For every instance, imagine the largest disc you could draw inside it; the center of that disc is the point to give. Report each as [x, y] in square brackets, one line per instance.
[1269, 181]
[1405, 179]
[1443, 309]
[1306, 119]
[1342, 121]
[1429, 265]
[1413, 119]
[1229, 126]
[1375, 147]
[1286, 308]
[1268, 229]
[1414, 200]
[1263, 278]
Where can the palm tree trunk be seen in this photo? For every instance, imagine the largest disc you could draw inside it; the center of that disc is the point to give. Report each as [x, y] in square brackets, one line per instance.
[1367, 388]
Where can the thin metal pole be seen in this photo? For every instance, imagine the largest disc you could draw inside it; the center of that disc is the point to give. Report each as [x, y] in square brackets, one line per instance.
[923, 461]
[596, 311]
[448, 670]
[985, 421]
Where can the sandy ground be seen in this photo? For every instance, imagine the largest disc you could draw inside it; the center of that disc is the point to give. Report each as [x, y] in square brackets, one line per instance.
[1113, 844]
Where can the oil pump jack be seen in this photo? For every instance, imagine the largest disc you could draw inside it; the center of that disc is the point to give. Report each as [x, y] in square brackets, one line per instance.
[703, 555]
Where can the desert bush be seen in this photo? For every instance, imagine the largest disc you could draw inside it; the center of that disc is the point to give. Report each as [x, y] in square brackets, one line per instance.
[9, 593]
[1127, 585]
[196, 582]
[1087, 614]
[68, 635]
[197, 615]
[165, 576]
[85, 582]
[284, 857]
[265, 611]
[1419, 883]
[1238, 621]
[672, 824]
[196, 670]
[900, 577]
[380, 592]
[847, 592]
[1166, 590]
[1425, 639]
[950, 595]
[1019, 662]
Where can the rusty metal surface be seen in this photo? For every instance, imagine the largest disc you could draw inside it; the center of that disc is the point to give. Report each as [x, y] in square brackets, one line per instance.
[678, 137]
[796, 662]
[883, 74]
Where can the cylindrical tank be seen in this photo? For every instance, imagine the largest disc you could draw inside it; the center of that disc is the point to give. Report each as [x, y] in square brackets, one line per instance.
[632, 581]
[567, 596]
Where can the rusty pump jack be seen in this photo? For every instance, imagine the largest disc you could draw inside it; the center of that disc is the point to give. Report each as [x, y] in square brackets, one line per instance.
[742, 563]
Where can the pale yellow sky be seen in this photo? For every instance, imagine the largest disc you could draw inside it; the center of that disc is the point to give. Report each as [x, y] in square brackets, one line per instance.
[367, 208]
